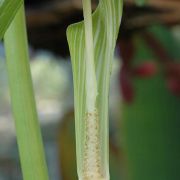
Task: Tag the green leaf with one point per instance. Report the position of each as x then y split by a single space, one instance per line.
106 21
23 104
8 9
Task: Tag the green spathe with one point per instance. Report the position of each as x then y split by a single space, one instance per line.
105 24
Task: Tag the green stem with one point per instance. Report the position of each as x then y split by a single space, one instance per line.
91 82
23 103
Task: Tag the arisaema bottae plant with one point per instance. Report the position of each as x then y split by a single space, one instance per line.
92 43
13 30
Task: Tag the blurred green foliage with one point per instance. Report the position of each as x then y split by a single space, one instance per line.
152 122
140 2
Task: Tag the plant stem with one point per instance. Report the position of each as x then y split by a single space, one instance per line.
91 82
23 103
